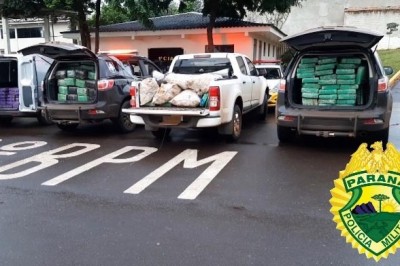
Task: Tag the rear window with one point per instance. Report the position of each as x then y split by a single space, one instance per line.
9 73
270 73
201 65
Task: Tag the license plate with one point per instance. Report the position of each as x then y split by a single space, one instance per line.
171 120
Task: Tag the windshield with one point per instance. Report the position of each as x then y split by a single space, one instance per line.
270 73
201 65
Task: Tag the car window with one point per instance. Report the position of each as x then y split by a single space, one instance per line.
242 65
270 73
252 68
42 66
150 67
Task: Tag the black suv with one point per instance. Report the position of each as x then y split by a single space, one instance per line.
335 86
81 86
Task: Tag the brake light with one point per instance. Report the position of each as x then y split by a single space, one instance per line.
382 85
215 98
282 85
132 92
105 84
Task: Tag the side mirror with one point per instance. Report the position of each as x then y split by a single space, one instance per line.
388 70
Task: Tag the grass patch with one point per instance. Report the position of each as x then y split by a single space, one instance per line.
390 58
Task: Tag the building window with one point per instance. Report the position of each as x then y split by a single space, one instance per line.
30 32
259 49
255 49
269 47
226 48
11 33
264 48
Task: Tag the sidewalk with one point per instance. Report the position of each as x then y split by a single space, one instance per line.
393 80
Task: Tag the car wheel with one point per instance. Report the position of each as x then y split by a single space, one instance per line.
285 134
235 124
161 133
67 127
123 122
381 135
5 119
43 120
264 108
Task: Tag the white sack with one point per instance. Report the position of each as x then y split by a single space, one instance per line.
179 79
200 83
148 88
186 98
165 93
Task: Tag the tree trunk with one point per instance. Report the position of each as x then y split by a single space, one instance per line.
97 24
83 26
210 27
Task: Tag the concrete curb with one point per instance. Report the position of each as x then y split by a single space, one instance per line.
393 80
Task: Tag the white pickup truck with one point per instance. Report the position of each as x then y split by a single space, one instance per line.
236 90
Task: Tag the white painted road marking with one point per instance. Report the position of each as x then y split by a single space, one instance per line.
189 157
109 158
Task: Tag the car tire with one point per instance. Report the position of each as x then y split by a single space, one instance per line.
285 134
236 124
161 133
264 108
6 119
43 120
67 127
123 122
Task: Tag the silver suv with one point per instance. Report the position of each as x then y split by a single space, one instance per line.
335 86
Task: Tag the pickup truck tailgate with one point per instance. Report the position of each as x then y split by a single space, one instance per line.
184 111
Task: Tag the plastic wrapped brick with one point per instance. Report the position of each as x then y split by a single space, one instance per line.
327 81
333 76
310 80
62 97
347 91
91 84
81 73
305 70
66 82
311 85
91 75
82 91
148 88
348 76
310 95
71 73
61 74
325 67
345 71
306 75
361 75
307 101
350 60
346 66
309 90
326 101
71 90
346 81
347 96
72 97
324 72
307 60
328 96
63 89
349 87
83 98
327 60
166 93
80 83
306 65
328 92
186 98
346 102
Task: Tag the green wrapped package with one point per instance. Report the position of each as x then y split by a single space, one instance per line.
326 101
347 96
328 96
346 81
91 75
350 60
71 73
310 95
327 82
306 75
306 101
310 80
327 77
82 91
61 97
311 85
306 65
80 83
307 60
361 75
330 87
325 67
324 72
305 70
328 92
89 67
327 60
66 82
348 87
82 98
346 102
347 91
63 89
346 66
349 76
309 90
345 71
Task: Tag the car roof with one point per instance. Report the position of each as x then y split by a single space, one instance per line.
268 65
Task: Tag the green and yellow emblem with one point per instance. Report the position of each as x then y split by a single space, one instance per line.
366 200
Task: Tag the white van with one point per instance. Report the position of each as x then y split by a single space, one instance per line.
20 86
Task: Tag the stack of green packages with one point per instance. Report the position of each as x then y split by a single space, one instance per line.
346 78
65 81
324 70
310 87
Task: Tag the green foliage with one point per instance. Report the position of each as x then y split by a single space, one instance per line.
390 58
22 8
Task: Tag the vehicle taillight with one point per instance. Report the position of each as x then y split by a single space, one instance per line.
282 85
105 84
214 100
132 92
382 85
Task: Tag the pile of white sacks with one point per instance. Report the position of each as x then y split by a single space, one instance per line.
181 90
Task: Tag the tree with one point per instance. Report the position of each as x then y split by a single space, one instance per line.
380 198
238 9
276 18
